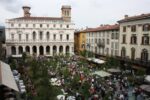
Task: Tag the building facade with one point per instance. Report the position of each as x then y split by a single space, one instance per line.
79 41
134 39
40 35
104 40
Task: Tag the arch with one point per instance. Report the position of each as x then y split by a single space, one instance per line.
20 50
123 52
144 55
132 53
61 49
13 50
67 49
47 49
27 49
34 35
34 49
54 50
41 50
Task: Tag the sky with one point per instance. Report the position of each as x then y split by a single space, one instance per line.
85 13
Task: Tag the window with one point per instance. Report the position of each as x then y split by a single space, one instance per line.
67 26
145 39
60 25
34 35
27 37
67 37
47 25
107 41
41 25
41 35
61 37
26 25
12 25
112 36
47 35
146 27
19 37
144 55
123 52
19 25
12 36
124 28
124 38
54 25
34 25
54 36
133 28
133 39
132 53
117 36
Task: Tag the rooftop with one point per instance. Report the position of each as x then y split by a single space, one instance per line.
134 18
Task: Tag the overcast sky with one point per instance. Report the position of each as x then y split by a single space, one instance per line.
89 13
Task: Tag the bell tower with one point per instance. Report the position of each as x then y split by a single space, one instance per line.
26 10
66 13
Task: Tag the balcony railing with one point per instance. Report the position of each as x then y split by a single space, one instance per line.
137 61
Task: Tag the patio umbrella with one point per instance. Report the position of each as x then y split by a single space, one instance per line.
61 97
113 70
101 73
147 78
145 88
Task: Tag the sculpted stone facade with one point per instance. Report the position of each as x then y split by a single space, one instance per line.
40 35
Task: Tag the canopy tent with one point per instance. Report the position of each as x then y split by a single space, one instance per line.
145 88
61 97
101 73
95 60
6 76
113 70
147 78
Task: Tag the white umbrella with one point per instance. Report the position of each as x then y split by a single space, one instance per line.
101 73
147 78
113 70
61 97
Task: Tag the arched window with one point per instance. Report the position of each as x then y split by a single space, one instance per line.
20 50
132 53
54 50
145 40
123 52
146 27
34 49
47 50
67 49
27 49
133 39
34 35
61 49
13 50
41 35
144 55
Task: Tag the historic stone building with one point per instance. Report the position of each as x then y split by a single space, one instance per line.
134 40
40 35
103 40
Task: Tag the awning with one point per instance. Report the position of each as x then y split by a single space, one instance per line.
145 88
147 78
101 73
113 70
6 76
95 60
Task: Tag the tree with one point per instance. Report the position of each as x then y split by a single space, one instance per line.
2 52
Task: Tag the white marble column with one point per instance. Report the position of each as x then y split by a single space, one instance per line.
17 50
64 50
31 51
51 50
23 48
44 48
57 50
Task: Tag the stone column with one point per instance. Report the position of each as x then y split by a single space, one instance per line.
64 49
23 48
17 50
44 47
57 50
31 51
51 50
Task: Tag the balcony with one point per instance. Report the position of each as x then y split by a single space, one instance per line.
136 61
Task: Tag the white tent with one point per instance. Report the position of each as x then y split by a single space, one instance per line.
113 70
147 78
145 87
95 60
61 97
6 76
101 73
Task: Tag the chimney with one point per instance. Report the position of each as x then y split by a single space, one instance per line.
26 10
126 16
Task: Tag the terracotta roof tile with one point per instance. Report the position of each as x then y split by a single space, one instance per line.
133 18
102 28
